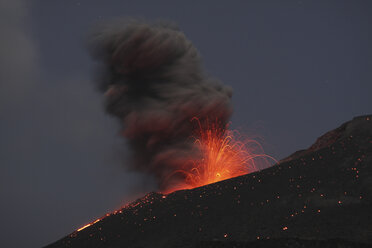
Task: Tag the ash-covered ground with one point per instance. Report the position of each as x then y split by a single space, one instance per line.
319 197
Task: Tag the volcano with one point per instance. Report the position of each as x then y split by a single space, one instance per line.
318 197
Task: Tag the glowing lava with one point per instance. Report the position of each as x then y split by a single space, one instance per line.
224 154
88 225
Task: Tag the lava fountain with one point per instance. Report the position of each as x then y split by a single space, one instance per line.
224 154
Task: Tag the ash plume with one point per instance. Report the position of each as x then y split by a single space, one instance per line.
154 83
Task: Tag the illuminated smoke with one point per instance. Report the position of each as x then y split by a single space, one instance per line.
154 83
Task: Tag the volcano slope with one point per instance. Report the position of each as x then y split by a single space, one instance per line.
319 197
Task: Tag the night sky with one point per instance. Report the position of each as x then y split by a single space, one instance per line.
297 68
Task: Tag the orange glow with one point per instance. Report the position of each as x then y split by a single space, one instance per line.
224 154
88 225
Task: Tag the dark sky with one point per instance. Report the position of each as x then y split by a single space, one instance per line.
297 68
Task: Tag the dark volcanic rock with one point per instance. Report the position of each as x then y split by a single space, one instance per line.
319 197
283 242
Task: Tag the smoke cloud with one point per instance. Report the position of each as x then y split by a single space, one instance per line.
154 83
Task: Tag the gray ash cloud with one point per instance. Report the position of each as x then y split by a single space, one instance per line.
154 83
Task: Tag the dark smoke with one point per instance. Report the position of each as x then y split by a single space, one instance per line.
154 83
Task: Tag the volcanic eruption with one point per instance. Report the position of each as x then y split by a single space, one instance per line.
173 114
176 118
